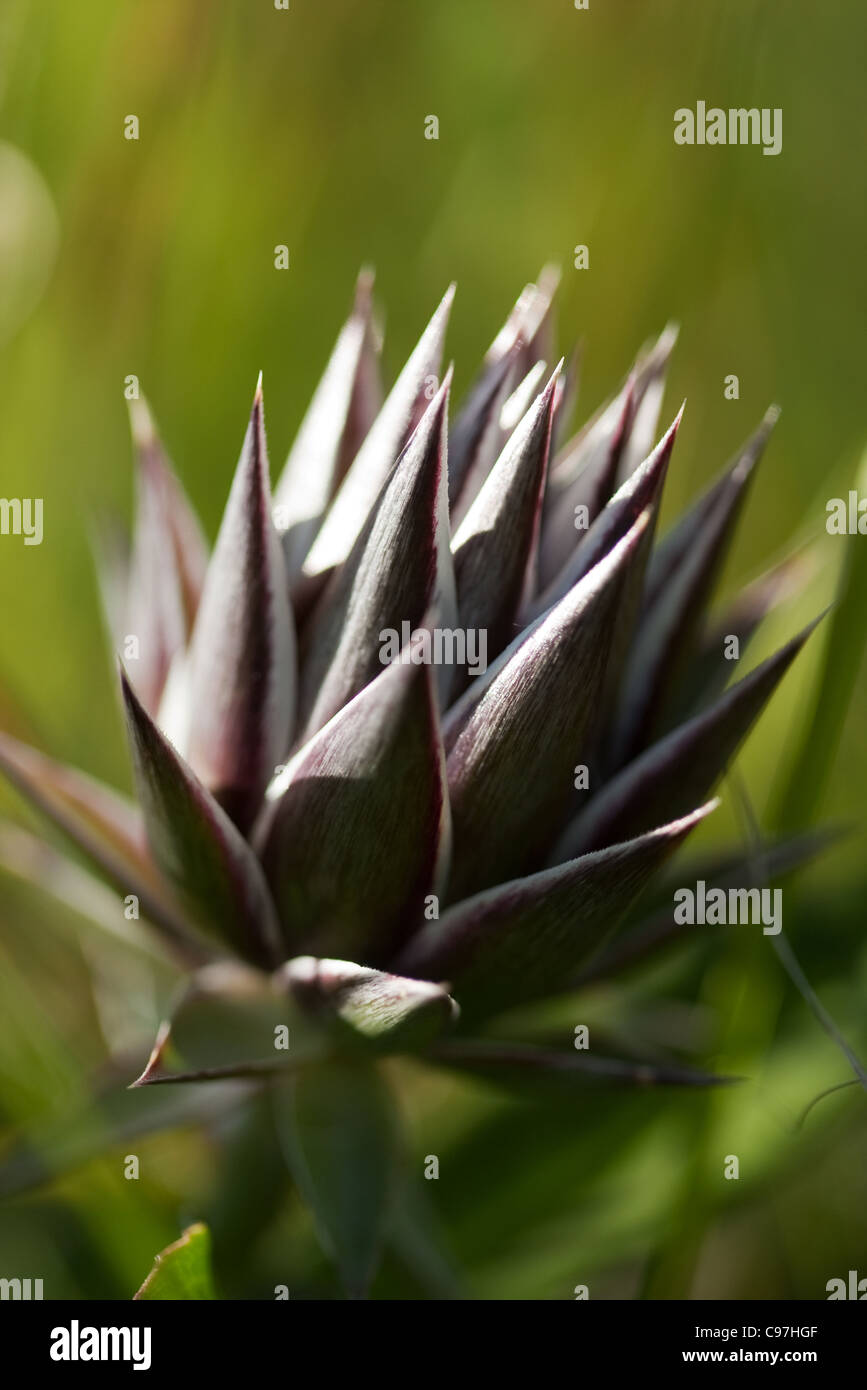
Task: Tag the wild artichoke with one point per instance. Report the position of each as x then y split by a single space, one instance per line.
360 848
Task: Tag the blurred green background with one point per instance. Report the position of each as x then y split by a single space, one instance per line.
156 257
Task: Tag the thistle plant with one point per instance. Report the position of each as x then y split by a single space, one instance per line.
348 855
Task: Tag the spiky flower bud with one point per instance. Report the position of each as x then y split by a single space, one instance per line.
355 729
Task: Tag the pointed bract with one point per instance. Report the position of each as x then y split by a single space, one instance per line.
355 834
524 939
648 376
682 768
494 549
399 566
567 394
196 845
241 677
389 1011
518 403
529 322
642 489
658 930
582 477
179 517
532 1070
512 744
707 673
679 585
155 620
227 1023
401 412
476 436
339 417
101 822
534 318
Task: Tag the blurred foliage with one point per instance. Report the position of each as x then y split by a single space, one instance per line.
156 257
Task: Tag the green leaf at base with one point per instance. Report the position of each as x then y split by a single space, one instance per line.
182 1270
339 1132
